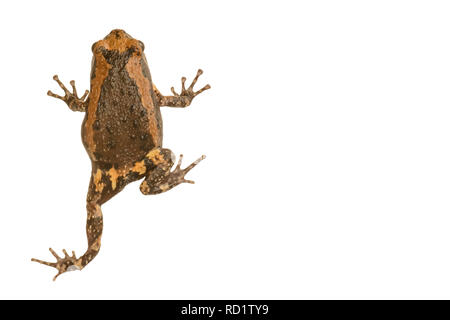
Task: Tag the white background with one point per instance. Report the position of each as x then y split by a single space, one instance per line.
327 137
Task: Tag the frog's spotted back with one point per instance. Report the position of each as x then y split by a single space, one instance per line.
122 133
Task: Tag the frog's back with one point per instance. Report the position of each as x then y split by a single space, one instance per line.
122 122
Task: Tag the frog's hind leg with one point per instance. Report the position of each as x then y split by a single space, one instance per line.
100 191
161 179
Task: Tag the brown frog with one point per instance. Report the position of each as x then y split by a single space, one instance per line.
122 133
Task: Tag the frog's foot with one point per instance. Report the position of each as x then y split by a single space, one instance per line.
189 93
68 263
178 174
73 101
159 184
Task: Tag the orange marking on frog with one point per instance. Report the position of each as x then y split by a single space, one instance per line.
97 181
156 157
101 72
117 40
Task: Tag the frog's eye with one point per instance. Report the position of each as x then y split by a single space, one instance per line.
142 45
93 46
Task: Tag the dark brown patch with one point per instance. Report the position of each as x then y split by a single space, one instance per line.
121 108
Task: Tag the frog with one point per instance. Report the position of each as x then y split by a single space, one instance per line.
122 132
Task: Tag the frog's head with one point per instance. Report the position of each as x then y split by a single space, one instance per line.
120 41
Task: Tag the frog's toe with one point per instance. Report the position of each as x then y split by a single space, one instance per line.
191 166
202 89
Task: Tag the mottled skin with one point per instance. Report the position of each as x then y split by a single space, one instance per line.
122 133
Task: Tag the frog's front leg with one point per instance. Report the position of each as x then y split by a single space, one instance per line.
161 179
183 99
73 101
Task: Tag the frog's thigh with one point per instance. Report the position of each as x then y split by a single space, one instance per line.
105 184
162 160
